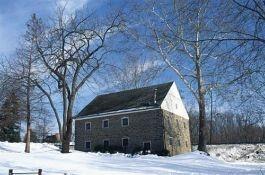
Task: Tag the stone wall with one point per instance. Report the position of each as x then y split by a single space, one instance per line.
177 134
143 126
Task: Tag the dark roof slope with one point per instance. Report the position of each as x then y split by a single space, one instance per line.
134 98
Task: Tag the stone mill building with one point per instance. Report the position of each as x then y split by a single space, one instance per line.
152 118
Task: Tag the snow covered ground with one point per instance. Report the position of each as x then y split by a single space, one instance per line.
238 152
48 158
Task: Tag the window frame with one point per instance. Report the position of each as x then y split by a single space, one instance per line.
179 142
177 123
122 121
171 141
89 145
103 123
122 141
89 127
148 142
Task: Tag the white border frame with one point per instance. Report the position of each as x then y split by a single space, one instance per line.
122 122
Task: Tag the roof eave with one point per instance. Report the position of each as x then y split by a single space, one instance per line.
119 112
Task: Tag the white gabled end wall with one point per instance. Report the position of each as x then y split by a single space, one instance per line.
173 102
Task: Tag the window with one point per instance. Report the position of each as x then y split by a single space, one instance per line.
106 143
186 143
88 145
105 123
179 143
88 126
125 121
184 125
170 140
177 123
125 142
147 146
176 106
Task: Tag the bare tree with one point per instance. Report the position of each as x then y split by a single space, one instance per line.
184 34
133 71
43 125
28 61
24 69
248 30
72 49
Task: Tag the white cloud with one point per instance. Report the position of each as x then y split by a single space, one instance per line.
72 5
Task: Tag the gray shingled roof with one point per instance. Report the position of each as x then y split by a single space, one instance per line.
134 98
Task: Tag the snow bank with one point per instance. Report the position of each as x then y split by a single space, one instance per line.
238 152
19 147
48 158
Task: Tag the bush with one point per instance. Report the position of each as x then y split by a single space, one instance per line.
110 149
136 150
163 152
99 148
115 149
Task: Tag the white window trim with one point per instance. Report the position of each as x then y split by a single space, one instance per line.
122 141
103 123
122 122
90 126
148 142
106 140
89 144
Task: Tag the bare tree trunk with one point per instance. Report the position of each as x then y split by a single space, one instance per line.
202 122
67 137
71 71
201 94
68 132
211 121
27 140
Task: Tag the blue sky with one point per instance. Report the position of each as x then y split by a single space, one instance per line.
15 13
13 16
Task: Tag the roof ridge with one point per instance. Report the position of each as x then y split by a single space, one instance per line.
135 88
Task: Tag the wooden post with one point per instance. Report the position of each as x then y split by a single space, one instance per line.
10 172
40 172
